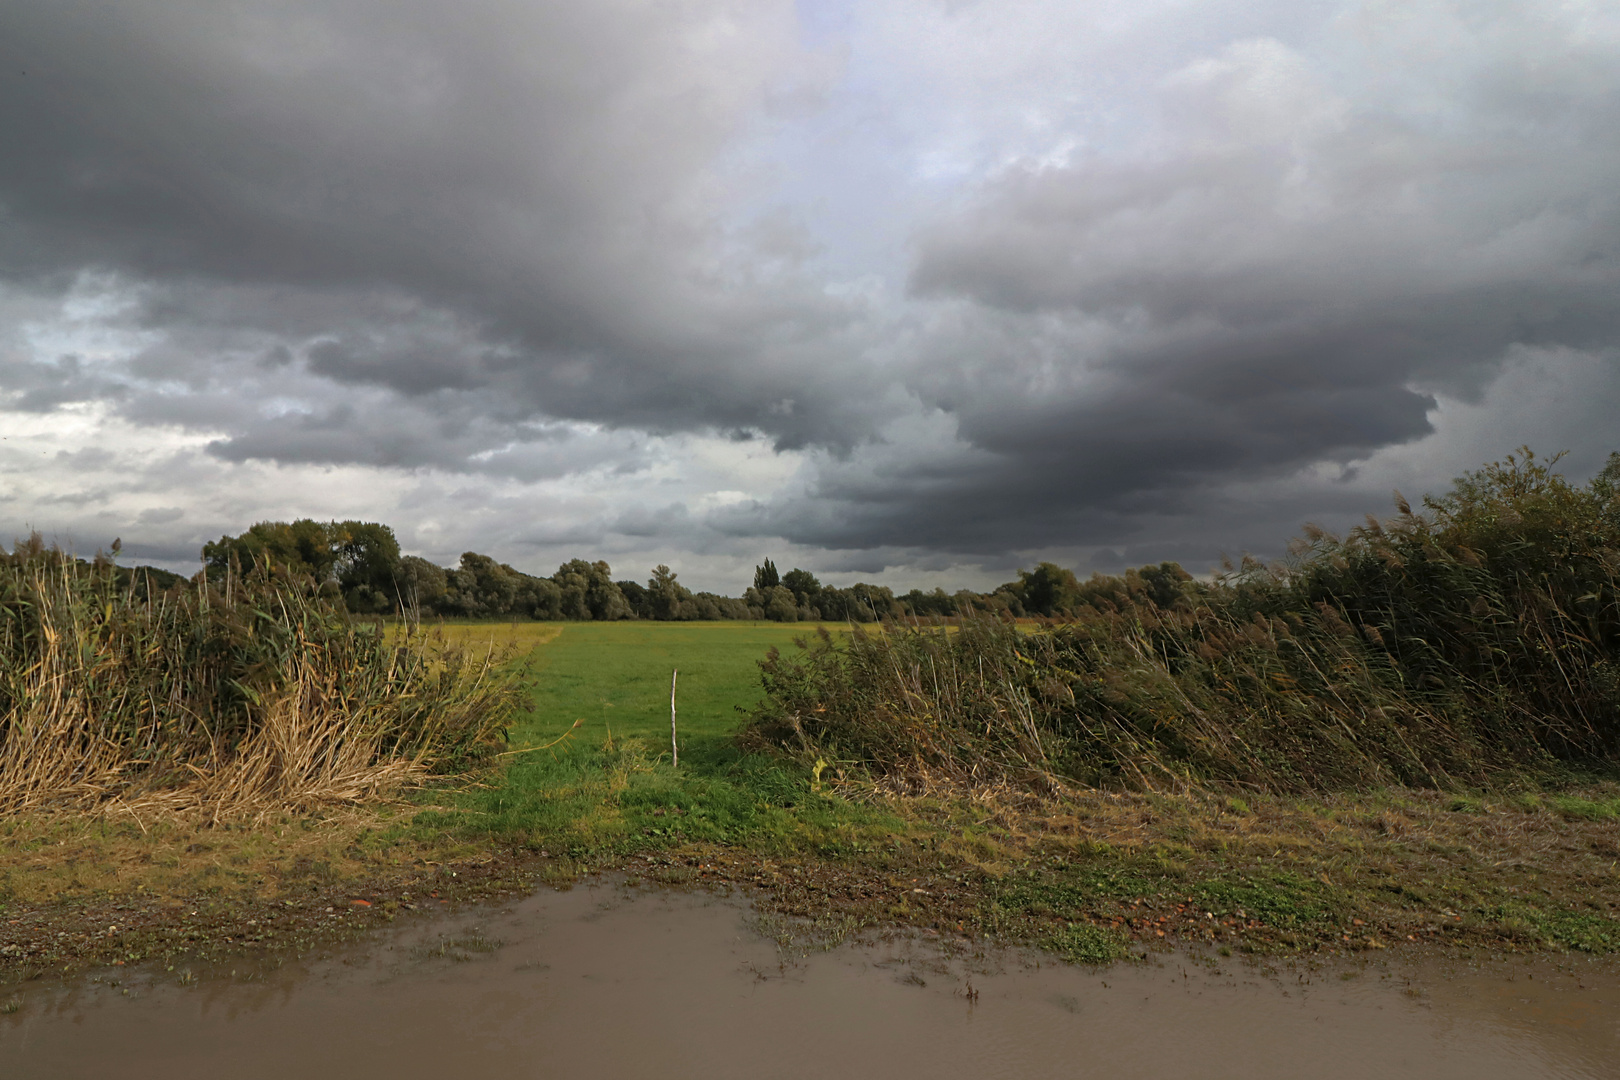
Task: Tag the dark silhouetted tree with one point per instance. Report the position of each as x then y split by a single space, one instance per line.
635 594
1049 589
765 577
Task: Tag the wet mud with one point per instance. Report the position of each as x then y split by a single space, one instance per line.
611 981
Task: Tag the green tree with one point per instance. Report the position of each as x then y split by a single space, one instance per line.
766 577
635 595
587 591
422 585
924 604
803 585
291 549
1049 589
780 605
366 565
666 596
359 558
859 603
480 588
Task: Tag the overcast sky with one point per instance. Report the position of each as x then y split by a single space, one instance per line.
916 291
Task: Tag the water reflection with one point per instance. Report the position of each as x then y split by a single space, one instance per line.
604 982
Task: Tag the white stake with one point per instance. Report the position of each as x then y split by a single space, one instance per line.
674 748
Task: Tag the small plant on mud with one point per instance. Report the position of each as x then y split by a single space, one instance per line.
1084 943
458 950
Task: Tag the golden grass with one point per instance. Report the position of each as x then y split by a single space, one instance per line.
236 701
511 639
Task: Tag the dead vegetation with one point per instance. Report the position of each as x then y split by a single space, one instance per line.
228 698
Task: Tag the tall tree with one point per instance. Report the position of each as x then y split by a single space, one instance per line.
667 597
802 584
766 577
588 591
1049 589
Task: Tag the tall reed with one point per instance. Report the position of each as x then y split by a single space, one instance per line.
1471 643
228 695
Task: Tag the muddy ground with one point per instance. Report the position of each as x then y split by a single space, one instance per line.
814 902
1093 877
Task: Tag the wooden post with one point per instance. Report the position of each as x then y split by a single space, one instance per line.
674 747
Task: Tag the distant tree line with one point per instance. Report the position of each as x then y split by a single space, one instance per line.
360 562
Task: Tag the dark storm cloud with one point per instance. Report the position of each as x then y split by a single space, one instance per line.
501 237
1282 278
530 185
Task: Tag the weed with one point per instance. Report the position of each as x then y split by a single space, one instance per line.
1574 807
457 949
1084 943
1286 900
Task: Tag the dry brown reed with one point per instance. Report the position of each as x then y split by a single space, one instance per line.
230 698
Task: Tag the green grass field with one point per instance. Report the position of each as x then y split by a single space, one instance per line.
615 677
607 786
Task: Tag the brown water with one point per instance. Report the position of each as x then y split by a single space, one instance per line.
606 982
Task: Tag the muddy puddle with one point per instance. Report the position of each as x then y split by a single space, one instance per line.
605 981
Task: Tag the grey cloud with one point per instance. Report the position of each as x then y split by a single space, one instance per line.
661 521
43 387
453 435
534 184
500 241
88 497
88 459
1286 278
